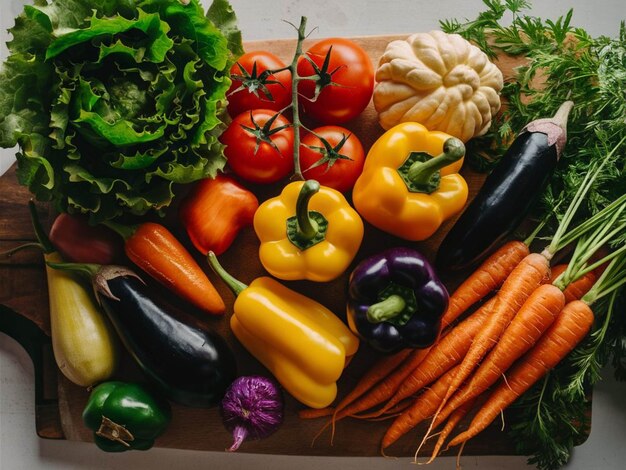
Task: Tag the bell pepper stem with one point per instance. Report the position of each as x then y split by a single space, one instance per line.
307 227
114 432
420 173
386 309
235 285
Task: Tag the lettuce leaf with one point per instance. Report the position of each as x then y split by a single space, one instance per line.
114 103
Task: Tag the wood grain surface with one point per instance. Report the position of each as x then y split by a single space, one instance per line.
23 289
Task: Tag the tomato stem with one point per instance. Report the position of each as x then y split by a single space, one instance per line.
322 74
295 79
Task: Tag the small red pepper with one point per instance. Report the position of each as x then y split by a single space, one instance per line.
215 211
79 242
153 248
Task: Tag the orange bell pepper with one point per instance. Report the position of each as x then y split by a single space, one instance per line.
215 211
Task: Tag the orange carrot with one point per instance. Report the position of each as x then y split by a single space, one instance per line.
385 389
386 411
312 413
423 407
447 353
154 249
520 284
570 327
445 348
385 366
400 407
455 418
378 373
389 413
489 276
532 320
529 274
575 290
556 271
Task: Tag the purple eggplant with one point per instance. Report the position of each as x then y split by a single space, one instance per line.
396 301
507 195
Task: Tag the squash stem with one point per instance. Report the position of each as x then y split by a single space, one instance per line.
42 238
85 269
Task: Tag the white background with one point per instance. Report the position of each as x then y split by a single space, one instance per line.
21 449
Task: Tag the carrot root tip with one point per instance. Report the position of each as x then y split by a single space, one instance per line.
458 457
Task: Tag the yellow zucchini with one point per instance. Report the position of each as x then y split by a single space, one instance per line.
84 346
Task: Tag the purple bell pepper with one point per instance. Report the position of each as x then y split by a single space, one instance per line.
396 301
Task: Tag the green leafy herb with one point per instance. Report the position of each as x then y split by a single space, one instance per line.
562 63
553 416
113 102
549 423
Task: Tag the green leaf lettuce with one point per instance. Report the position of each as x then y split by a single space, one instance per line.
114 102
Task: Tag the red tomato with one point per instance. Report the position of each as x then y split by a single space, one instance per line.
251 93
350 68
256 150
341 166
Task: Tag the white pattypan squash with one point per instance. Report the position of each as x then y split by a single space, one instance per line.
439 80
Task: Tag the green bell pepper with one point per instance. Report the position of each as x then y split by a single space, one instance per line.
124 416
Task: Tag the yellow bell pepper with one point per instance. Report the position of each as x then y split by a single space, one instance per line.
302 343
297 243
406 191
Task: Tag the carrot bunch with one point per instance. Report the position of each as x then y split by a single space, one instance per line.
512 323
520 334
512 340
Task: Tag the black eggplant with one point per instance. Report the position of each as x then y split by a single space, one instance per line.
507 194
189 363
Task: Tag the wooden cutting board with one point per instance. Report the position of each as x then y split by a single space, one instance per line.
59 403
